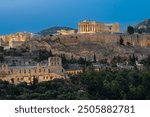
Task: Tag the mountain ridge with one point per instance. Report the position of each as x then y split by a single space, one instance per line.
53 30
143 27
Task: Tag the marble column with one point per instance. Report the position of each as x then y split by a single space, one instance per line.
87 28
92 28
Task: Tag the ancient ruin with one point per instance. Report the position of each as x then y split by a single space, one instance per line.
94 27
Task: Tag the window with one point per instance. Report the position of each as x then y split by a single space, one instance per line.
24 71
39 70
12 80
51 77
49 71
29 71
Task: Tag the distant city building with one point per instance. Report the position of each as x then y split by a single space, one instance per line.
19 61
14 40
18 74
66 32
1 42
94 27
15 44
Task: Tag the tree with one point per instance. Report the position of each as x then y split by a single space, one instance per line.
1 57
44 54
130 30
140 31
1 49
63 57
81 61
72 59
121 41
94 58
132 59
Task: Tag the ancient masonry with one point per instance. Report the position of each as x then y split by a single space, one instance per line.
18 74
14 40
94 27
66 32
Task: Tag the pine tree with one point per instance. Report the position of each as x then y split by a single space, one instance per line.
94 58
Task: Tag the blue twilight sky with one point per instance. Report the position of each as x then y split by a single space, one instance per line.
34 15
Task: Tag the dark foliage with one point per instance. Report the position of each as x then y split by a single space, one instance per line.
91 85
130 30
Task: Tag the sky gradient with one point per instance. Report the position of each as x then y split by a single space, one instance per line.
35 15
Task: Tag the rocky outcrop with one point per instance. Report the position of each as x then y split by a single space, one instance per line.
86 45
143 27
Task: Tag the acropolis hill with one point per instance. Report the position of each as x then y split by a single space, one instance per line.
86 45
91 38
28 59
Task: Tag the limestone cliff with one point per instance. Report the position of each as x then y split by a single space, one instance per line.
86 45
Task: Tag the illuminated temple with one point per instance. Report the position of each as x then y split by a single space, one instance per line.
94 27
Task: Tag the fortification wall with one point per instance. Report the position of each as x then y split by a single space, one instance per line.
135 40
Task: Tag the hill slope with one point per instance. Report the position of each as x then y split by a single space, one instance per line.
143 27
86 45
53 30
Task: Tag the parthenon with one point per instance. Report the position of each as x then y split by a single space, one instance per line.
94 27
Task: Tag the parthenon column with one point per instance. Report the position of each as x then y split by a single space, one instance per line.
80 28
92 28
87 27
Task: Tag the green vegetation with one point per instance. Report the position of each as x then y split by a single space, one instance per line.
121 41
44 55
112 85
130 30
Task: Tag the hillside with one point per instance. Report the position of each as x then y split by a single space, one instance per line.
143 27
53 30
103 45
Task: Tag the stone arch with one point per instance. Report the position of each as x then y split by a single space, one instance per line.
12 80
